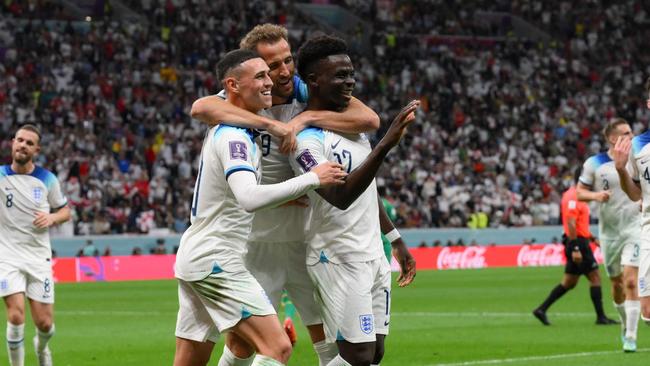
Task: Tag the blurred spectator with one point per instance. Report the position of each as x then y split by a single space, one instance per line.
89 250
160 247
136 251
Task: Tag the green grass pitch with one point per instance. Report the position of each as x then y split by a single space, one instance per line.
462 317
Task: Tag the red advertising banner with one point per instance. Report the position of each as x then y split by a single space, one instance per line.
116 268
492 256
158 267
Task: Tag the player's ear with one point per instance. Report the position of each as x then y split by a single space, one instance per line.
231 85
312 80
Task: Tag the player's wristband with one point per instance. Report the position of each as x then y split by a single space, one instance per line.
393 235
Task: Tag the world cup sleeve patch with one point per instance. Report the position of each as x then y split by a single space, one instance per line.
238 150
306 160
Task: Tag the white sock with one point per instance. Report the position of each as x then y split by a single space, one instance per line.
261 360
338 361
43 338
620 308
326 352
229 359
632 311
16 344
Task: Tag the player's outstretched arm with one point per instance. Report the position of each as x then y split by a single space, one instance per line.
356 118
213 110
253 197
621 156
585 194
400 250
44 220
343 196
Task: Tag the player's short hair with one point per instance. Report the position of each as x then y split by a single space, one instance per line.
317 49
263 33
232 60
32 128
612 124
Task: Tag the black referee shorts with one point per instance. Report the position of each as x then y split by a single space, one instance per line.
588 263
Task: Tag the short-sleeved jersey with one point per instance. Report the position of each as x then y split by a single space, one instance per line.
21 196
572 208
619 215
639 162
339 236
219 226
285 223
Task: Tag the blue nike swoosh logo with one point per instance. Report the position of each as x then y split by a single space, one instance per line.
336 144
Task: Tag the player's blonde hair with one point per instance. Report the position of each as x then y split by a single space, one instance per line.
32 128
264 33
611 126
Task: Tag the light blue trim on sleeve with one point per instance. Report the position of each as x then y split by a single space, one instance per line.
238 168
300 90
639 142
311 132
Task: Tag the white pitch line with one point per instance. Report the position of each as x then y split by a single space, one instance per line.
483 314
534 358
398 314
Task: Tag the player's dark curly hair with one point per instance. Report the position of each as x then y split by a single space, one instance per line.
317 49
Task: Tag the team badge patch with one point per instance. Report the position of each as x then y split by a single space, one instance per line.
37 193
238 150
366 323
4 284
306 160
642 284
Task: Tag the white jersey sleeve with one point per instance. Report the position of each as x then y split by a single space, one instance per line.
588 173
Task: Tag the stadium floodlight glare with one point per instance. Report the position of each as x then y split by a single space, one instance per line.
89 18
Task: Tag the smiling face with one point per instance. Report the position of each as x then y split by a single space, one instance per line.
251 85
281 65
24 146
335 81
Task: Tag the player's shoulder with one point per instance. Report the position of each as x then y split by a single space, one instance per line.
230 131
316 133
300 91
599 159
640 141
5 170
47 177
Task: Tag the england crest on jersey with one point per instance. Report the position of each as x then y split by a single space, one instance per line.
366 323
37 193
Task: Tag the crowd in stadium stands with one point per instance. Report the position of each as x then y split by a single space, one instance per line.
502 124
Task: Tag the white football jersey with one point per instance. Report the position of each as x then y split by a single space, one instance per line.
619 215
21 195
216 238
639 162
335 235
281 224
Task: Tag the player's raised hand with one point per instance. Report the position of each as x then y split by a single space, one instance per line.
286 134
621 151
397 128
330 173
43 220
406 263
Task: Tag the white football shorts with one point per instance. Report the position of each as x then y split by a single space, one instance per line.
278 266
354 299
217 303
35 281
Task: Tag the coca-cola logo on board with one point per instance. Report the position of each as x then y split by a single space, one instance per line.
547 255
470 257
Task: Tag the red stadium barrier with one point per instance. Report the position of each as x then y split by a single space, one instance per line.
491 256
159 267
117 268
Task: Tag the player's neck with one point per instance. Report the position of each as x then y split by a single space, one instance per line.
610 152
27 168
315 104
276 99
239 102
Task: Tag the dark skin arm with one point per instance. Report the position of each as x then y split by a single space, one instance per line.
356 118
572 235
400 251
356 183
